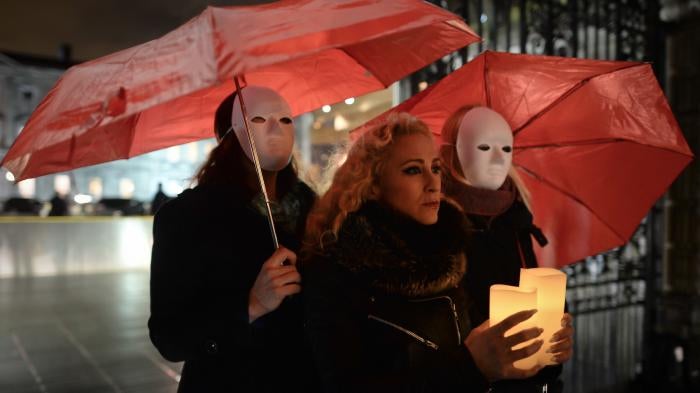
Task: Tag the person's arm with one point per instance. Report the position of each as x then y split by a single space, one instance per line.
343 354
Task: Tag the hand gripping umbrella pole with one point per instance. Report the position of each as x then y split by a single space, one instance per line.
256 163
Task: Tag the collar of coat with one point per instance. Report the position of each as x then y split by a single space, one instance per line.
400 256
288 210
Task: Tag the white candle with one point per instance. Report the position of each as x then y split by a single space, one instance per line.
506 300
551 293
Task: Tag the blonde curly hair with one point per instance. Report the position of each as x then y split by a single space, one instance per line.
355 181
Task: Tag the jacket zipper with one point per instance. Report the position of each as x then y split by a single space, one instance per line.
424 341
453 307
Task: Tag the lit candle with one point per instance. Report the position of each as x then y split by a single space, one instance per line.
506 300
551 293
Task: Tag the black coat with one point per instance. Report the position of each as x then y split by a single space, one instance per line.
209 244
385 311
498 247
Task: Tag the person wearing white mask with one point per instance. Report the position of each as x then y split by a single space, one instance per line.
221 295
477 155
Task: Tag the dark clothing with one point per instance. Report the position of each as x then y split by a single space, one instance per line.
209 245
385 311
499 245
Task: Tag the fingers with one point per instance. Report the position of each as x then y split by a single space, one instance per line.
292 277
513 320
280 256
563 356
523 336
275 272
289 256
567 320
522 353
287 290
562 346
566 333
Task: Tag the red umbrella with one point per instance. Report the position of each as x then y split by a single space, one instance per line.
595 141
164 92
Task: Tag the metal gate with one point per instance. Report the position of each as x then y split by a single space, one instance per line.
610 295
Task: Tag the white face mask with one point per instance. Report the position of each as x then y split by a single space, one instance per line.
485 148
270 122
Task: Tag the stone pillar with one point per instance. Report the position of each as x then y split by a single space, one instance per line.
677 352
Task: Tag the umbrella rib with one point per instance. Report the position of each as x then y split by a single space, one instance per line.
568 93
361 65
599 141
397 33
486 81
133 135
573 197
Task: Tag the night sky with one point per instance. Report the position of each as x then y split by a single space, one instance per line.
92 27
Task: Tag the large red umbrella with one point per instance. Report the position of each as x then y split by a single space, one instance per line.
164 92
595 141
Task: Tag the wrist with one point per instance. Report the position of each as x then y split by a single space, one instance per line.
255 309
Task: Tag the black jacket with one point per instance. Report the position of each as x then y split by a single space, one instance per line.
385 311
209 244
498 247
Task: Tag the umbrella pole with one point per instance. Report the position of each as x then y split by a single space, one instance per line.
256 163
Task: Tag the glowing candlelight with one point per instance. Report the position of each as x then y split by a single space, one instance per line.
505 301
551 293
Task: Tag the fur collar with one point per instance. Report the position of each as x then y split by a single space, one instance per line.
399 256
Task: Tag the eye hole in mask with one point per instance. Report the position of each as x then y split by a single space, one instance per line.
261 120
484 147
507 149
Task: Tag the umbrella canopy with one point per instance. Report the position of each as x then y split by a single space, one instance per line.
164 92
595 142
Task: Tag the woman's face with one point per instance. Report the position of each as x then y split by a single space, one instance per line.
485 148
410 180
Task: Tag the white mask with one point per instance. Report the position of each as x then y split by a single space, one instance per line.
270 122
485 148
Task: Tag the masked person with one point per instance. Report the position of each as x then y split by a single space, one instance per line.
385 310
220 293
477 154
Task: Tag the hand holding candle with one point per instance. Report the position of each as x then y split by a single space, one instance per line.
563 341
545 290
493 351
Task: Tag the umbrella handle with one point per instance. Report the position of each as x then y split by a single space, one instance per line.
256 163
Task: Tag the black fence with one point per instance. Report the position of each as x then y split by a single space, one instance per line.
612 296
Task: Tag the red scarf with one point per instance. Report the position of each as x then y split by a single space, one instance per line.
483 202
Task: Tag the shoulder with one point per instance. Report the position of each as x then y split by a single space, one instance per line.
200 203
188 202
